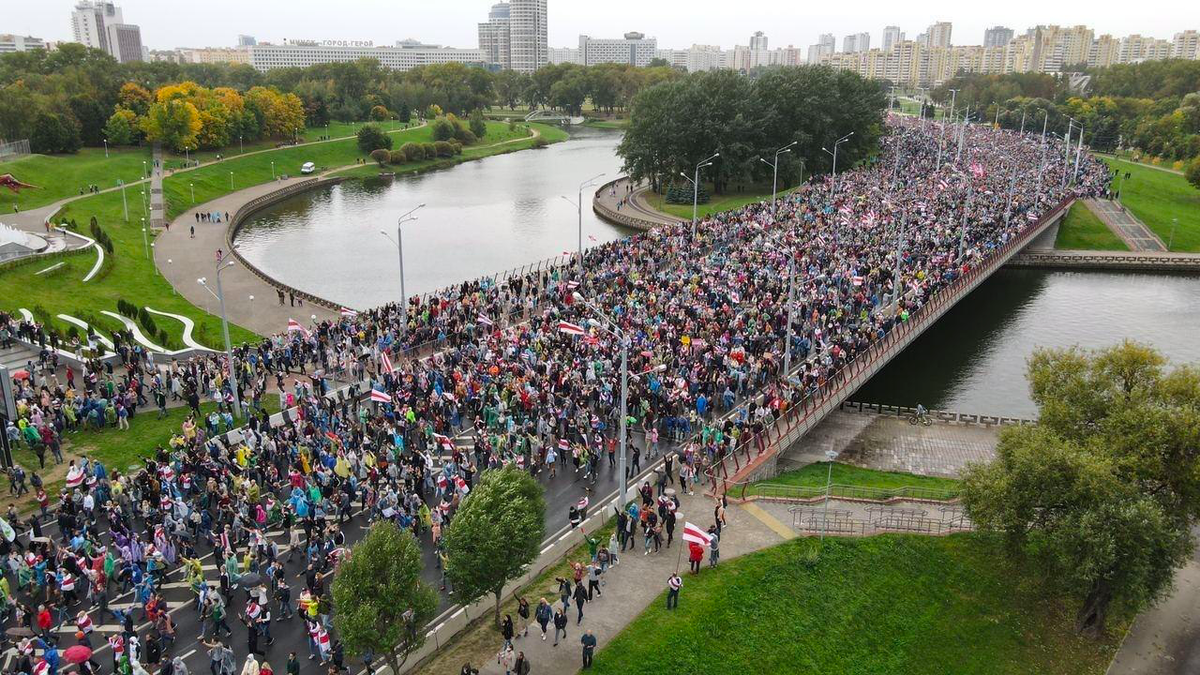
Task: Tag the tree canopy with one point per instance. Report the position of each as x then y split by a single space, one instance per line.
495 534
678 123
380 603
1103 491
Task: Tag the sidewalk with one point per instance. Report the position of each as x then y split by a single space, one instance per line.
635 206
1131 230
632 585
182 260
1163 639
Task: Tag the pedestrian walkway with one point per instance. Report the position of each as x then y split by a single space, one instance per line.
1131 230
183 258
634 205
157 206
632 585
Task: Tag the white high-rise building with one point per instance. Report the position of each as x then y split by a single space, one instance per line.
246 41
1186 45
407 54
88 22
758 41
564 55
826 45
528 37
892 35
494 37
857 42
20 43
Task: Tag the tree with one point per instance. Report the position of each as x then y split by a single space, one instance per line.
1103 491
371 137
54 133
412 152
381 156
380 603
379 113
496 533
478 126
175 123
121 128
1193 172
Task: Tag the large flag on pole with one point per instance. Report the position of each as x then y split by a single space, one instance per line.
694 533
349 313
380 396
570 328
483 319
294 326
386 362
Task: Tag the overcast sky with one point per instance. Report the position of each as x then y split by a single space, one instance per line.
676 23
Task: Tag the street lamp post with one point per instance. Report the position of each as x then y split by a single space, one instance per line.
145 239
105 148
942 139
579 208
231 180
696 187
124 204
187 156
830 455
1171 241
775 173
241 148
220 295
272 170
193 187
834 153
400 252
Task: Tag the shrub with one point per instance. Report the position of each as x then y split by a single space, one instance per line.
371 138
512 125
412 152
456 146
1193 172
379 113
381 156
443 149
540 142
466 137
443 130
396 157
478 126
429 149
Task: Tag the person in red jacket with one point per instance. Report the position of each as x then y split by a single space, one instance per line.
695 555
44 621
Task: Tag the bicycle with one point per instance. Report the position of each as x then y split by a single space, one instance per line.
921 418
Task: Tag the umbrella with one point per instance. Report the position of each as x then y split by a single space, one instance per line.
250 580
19 631
77 654
20 375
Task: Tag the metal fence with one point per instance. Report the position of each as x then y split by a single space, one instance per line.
880 519
13 149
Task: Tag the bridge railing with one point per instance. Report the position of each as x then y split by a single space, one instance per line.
829 392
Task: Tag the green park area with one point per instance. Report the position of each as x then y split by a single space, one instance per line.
1163 200
56 177
817 474
734 199
1083 230
883 604
129 273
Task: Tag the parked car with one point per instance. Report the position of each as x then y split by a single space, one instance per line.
308 168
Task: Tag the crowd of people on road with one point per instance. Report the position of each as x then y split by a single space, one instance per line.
524 370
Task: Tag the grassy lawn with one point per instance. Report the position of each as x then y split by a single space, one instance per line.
61 176
1082 230
884 604
617 123
815 476
1157 198
716 203
480 640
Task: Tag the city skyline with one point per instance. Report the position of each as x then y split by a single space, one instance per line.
785 23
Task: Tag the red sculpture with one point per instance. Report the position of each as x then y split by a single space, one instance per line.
9 181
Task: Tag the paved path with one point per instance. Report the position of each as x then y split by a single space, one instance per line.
632 585
157 205
1131 230
183 258
635 206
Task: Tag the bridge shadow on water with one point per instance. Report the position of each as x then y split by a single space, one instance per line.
932 367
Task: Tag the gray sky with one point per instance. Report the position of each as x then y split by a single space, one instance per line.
676 23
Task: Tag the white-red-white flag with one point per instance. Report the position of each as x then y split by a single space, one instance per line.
482 318
570 328
386 362
294 326
349 313
444 441
694 533
380 396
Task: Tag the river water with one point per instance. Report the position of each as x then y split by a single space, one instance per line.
480 217
503 212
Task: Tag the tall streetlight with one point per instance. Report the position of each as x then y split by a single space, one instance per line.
791 316
187 156
696 187
145 239
193 187
400 249
231 181
775 173
272 170
612 329
241 148
105 148
942 140
834 154
124 204
579 207
220 296
829 455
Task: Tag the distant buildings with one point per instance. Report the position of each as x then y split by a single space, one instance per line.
892 35
406 55
246 41
100 25
20 43
997 36
634 49
826 45
858 42
515 36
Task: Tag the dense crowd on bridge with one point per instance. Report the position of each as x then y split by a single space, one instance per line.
527 368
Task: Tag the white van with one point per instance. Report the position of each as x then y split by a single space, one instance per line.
308 167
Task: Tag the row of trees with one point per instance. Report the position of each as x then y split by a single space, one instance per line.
381 605
1153 107
680 122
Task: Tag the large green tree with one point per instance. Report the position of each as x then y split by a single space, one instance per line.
1103 491
380 603
495 534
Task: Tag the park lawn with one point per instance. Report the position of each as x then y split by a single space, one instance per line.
128 274
478 642
1157 198
716 203
60 176
883 604
816 474
1083 230
616 123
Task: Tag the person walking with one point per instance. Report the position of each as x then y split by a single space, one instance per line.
589 648
581 596
560 625
521 667
543 614
695 555
674 583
